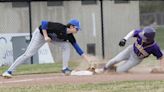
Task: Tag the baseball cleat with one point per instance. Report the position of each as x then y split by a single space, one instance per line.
109 69
67 71
105 69
7 74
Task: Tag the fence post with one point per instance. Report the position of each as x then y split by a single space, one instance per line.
30 24
102 28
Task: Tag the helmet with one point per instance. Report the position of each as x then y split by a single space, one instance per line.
148 34
75 22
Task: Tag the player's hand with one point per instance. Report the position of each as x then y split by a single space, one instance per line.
157 70
122 42
90 61
86 57
92 66
47 39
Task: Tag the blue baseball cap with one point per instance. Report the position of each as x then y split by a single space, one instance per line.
75 23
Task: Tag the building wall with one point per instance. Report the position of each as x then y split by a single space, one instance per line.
89 16
13 20
119 19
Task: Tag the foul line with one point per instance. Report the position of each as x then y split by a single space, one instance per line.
25 80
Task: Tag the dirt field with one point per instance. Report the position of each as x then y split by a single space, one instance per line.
141 72
43 79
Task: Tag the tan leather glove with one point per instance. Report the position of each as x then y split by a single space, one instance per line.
92 66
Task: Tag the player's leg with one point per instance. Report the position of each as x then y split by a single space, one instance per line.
130 63
65 47
36 42
124 55
65 56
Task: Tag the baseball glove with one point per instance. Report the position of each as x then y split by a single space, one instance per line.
92 67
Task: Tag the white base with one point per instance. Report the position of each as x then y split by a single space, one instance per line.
100 70
81 73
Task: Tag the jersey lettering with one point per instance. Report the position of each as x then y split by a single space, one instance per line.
141 53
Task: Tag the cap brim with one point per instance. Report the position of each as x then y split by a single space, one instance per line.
78 29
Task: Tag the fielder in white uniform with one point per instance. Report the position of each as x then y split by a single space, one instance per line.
51 32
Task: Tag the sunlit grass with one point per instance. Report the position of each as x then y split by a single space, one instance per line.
121 86
39 68
160 37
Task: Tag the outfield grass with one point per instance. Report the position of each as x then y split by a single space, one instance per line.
121 86
39 68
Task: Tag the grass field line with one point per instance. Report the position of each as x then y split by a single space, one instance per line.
26 80
81 79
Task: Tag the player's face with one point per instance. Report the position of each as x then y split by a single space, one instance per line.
144 39
72 29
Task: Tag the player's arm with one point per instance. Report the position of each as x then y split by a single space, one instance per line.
44 29
159 55
80 52
162 62
72 40
160 69
128 36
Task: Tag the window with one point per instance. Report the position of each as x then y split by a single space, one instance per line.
12 0
19 4
121 1
4 0
88 2
55 3
91 48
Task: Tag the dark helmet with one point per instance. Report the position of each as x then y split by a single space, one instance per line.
148 34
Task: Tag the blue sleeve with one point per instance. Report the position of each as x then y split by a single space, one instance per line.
78 49
44 25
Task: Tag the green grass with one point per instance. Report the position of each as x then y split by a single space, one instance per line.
56 67
160 37
121 86
39 68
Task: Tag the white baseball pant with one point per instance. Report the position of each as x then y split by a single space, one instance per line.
36 42
127 55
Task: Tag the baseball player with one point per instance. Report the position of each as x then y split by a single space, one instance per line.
51 32
134 54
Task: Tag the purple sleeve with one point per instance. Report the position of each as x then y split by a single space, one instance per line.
136 33
157 52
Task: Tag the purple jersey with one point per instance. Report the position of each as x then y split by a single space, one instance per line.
144 50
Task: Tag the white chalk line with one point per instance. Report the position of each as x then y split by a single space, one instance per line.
24 80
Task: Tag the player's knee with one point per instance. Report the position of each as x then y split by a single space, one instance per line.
27 55
65 48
